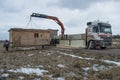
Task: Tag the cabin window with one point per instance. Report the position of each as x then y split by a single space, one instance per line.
36 35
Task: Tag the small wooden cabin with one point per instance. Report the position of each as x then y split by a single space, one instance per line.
53 33
29 37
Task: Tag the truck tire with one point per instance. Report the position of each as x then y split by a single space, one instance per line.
43 46
103 47
91 45
87 46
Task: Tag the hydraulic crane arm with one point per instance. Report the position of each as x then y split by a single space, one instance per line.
50 17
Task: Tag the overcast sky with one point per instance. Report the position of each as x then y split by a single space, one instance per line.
73 14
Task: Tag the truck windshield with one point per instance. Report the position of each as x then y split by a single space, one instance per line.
105 28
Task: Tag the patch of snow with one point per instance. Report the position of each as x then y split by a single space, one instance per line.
40 51
37 71
49 54
86 69
106 61
1 70
85 78
61 65
49 66
59 56
21 77
40 66
30 54
59 78
97 67
116 42
85 72
28 65
37 79
74 56
5 75
50 76
112 62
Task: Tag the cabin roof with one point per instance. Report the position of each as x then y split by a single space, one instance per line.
27 30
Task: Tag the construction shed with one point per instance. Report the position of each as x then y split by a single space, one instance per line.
53 33
29 37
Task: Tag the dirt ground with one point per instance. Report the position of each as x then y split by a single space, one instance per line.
61 63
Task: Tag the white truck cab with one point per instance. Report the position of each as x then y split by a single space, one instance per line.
98 35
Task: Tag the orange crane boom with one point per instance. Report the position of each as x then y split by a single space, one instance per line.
50 17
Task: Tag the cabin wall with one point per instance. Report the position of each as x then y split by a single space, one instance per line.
29 38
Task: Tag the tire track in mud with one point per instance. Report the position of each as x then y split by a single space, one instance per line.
86 58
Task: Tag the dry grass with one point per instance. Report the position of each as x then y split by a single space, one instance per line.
116 45
50 58
111 74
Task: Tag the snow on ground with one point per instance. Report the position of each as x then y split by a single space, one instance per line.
106 61
37 79
97 67
112 62
74 56
86 69
21 77
59 78
85 72
37 71
61 65
1 70
40 66
26 48
5 75
30 54
116 42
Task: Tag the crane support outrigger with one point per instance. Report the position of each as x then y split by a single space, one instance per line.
52 18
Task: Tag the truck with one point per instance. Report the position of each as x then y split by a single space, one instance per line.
98 35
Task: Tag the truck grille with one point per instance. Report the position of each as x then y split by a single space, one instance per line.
107 39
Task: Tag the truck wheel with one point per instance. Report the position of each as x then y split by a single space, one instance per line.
103 47
91 45
43 46
87 46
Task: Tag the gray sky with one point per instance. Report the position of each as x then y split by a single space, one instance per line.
73 13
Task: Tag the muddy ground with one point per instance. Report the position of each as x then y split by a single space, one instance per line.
60 63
